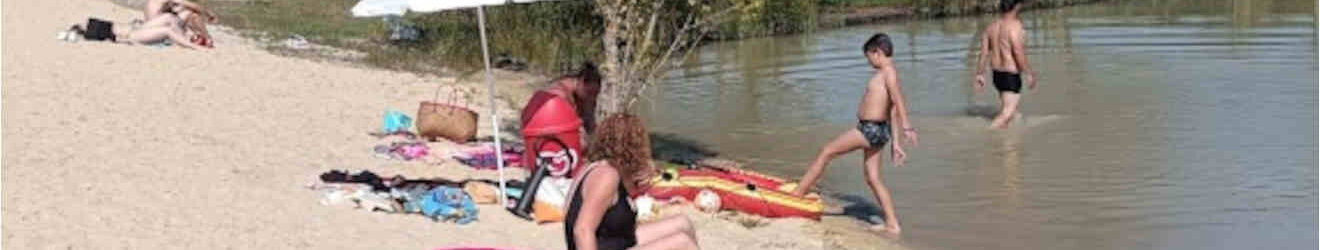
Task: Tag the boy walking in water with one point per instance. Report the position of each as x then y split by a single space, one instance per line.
883 99
1004 42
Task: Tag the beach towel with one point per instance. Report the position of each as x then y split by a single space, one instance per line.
482 155
412 151
407 150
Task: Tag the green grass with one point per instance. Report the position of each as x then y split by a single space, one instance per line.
321 20
551 36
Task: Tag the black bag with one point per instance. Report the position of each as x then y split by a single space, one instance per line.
99 30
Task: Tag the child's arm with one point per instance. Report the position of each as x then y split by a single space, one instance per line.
898 155
900 109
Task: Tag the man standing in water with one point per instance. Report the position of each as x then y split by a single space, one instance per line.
1004 42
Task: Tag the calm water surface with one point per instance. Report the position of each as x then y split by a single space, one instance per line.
1158 124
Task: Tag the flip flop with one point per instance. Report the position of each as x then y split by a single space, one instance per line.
201 40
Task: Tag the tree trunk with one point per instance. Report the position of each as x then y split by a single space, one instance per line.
632 54
614 84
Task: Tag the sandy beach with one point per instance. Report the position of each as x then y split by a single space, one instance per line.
112 146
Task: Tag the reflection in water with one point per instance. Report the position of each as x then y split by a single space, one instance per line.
1158 124
1007 155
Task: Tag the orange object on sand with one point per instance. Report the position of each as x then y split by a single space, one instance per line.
544 212
481 192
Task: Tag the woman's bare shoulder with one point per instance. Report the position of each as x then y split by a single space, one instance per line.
602 171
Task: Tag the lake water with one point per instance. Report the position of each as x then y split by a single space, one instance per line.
1157 124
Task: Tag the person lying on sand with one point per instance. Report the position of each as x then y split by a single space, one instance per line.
600 215
882 104
155 31
191 13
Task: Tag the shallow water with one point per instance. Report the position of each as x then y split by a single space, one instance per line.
1158 124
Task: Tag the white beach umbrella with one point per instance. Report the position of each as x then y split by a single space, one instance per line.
380 8
385 8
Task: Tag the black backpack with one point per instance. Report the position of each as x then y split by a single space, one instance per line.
99 30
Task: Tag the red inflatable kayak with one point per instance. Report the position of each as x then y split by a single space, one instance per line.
739 190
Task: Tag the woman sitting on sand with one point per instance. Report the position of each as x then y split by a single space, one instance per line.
600 215
157 30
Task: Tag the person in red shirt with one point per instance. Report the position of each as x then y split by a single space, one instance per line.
578 89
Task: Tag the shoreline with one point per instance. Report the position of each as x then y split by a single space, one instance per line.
837 17
365 51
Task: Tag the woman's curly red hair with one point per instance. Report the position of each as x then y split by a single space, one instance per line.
622 140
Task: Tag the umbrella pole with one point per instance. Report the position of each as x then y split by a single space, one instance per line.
494 116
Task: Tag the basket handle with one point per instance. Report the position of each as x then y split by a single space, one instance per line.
451 99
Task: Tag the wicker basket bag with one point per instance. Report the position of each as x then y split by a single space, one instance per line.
446 120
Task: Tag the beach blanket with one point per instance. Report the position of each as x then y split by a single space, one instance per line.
482 155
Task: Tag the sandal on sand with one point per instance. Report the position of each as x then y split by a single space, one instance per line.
202 40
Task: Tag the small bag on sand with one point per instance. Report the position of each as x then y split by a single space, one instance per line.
482 193
396 121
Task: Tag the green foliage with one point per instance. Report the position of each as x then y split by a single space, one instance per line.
769 17
552 36
549 35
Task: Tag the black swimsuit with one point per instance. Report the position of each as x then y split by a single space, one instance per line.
875 132
617 229
1008 81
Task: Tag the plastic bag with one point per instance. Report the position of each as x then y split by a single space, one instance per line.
396 121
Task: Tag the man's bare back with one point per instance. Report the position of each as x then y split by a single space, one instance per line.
1001 36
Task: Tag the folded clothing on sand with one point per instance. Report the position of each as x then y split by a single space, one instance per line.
441 203
364 177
